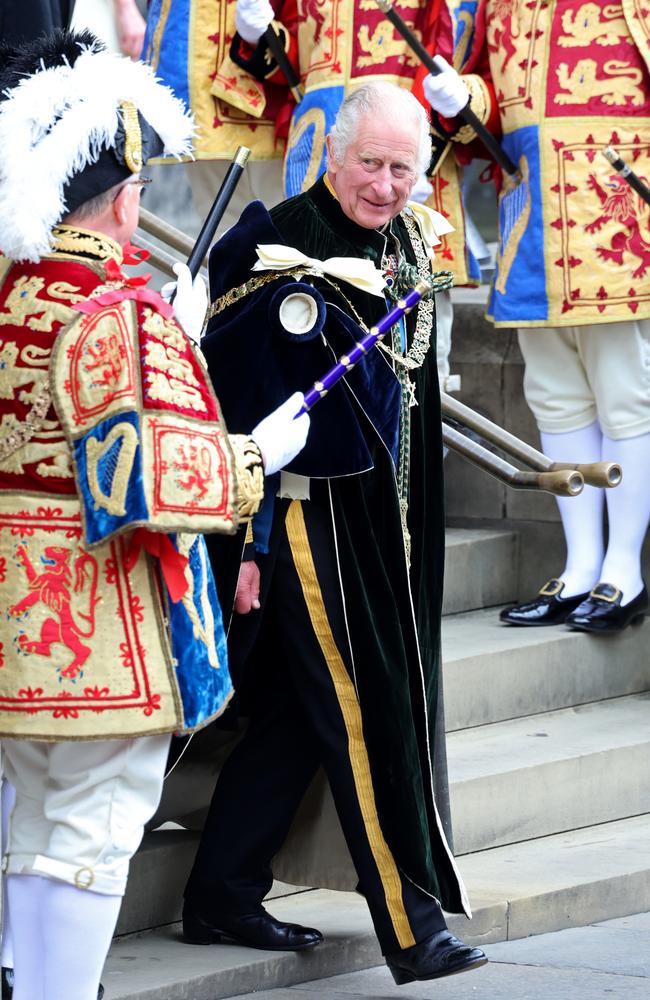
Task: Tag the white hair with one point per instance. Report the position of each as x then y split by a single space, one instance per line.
383 100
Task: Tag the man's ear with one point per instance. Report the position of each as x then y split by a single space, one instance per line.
120 206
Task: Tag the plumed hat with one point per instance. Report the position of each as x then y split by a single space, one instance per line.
75 120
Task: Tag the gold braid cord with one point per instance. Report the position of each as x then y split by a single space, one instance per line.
249 471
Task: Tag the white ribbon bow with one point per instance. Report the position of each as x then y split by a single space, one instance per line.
432 225
355 270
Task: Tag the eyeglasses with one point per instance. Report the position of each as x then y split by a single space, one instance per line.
140 182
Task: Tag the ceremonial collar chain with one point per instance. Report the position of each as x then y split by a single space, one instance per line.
405 277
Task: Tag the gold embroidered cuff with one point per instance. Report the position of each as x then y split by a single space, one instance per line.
249 471
479 103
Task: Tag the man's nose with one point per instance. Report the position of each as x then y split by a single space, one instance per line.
383 181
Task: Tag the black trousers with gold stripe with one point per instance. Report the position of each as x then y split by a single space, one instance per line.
304 713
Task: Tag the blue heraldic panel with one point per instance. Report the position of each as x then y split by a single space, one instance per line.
520 285
108 439
171 60
199 641
306 156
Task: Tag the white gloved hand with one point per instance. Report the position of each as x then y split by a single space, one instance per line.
252 18
279 437
446 92
191 302
421 190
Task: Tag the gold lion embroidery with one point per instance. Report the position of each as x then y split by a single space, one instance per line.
63 576
14 377
46 449
23 301
171 390
583 84
381 45
621 205
163 329
584 26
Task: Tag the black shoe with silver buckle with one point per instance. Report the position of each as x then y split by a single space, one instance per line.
548 608
440 955
602 611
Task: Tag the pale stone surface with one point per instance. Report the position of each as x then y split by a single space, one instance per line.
603 960
494 672
531 777
480 568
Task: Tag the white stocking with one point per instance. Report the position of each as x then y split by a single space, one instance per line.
8 799
628 513
24 895
582 516
79 925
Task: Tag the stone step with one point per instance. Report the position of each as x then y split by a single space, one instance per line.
480 568
543 885
533 777
157 878
494 672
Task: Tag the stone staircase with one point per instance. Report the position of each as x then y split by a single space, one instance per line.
548 744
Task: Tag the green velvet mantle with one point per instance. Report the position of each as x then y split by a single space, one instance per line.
397 675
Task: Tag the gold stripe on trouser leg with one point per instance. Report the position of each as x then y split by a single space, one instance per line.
349 704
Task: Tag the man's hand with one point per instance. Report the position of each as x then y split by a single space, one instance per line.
280 437
191 300
247 595
446 92
130 27
252 18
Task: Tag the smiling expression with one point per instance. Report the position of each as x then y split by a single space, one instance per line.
378 172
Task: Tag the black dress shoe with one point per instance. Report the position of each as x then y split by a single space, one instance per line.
548 608
8 985
255 930
440 955
602 611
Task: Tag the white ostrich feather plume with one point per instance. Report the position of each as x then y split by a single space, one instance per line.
56 122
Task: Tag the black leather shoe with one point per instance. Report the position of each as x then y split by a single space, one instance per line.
548 608
602 611
255 930
8 985
440 955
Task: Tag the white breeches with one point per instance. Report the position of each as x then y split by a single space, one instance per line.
81 807
578 374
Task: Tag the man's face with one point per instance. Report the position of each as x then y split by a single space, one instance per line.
378 171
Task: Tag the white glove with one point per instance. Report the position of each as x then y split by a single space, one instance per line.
421 190
279 437
446 92
252 18
191 300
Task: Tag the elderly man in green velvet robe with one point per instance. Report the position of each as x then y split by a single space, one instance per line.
336 631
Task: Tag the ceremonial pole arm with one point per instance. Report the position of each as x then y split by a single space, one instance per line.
348 361
561 483
219 206
274 43
626 171
466 114
607 474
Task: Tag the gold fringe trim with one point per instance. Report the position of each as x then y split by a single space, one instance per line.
249 472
